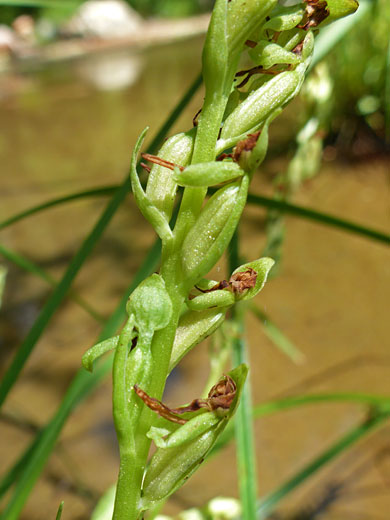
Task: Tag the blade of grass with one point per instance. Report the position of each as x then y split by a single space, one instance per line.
59 512
245 446
387 96
31 267
277 336
257 200
268 503
98 192
82 385
80 257
317 216
3 276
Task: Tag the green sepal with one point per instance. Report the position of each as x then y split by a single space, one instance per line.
207 174
208 238
262 266
151 305
218 298
194 327
268 54
161 187
170 467
284 18
339 9
98 350
147 208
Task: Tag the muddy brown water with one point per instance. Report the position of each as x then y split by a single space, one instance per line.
59 134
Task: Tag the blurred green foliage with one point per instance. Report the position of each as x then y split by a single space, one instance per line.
171 7
359 70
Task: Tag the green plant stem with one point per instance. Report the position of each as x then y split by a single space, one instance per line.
246 456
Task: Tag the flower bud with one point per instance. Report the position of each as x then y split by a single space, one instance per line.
151 305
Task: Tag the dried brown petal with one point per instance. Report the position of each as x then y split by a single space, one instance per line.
221 395
243 280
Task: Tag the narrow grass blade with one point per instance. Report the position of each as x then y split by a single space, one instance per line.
13 473
29 266
104 191
268 504
59 512
280 340
317 216
387 96
82 385
3 276
246 456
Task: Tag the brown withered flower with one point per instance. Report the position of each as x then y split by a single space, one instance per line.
220 396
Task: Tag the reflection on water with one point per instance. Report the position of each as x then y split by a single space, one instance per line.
60 134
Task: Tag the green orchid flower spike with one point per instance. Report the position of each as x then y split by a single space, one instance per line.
173 310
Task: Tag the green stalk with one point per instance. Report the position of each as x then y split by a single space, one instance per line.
246 455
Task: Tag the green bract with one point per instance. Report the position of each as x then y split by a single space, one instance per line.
262 267
262 102
211 233
150 211
161 188
194 327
